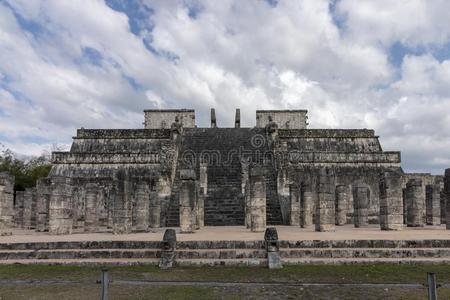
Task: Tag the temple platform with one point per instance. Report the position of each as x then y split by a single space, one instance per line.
232 246
240 233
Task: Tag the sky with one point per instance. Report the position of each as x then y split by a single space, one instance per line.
381 64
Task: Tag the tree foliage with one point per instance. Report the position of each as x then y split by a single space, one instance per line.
25 171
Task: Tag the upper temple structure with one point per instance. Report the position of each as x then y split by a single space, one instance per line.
172 173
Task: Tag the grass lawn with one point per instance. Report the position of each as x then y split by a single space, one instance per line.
85 287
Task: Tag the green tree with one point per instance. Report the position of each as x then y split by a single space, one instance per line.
26 172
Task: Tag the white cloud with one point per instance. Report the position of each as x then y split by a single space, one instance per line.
244 54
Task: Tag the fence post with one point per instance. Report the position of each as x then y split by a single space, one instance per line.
431 279
105 283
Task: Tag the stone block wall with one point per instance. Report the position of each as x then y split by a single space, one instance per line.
163 118
285 119
361 196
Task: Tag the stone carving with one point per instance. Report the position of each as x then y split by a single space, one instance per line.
447 197
341 205
306 211
188 199
272 248
60 206
6 203
433 204
257 199
415 203
325 206
168 247
391 203
361 196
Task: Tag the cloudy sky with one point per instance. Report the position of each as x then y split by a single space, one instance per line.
378 64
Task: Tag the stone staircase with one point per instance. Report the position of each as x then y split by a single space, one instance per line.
224 204
218 253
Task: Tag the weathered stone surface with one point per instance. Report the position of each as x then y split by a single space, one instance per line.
29 208
294 191
122 214
433 204
168 247
307 204
187 200
272 248
141 209
415 200
60 206
43 194
257 199
92 214
6 203
391 201
447 197
325 206
361 196
341 205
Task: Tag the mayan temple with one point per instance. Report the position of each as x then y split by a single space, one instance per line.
172 173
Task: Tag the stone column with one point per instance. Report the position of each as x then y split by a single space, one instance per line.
447 197
294 192
341 205
391 203
18 209
160 202
43 193
414 202
142 213
257 199
6 203
27 203
306 206
325 207
187 201
92 211
122 216
443 207
433 204
200 208
361 196
60 206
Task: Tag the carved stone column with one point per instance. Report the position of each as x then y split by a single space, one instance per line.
257 199
433 204
361 196
325 207
122 217
187 201
294 192
391 203
341 205
306 206
29 208
6 203
447 197
60 206
142 207
18 209
92 216
43 190
414 202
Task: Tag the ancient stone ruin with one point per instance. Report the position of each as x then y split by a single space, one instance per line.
172 173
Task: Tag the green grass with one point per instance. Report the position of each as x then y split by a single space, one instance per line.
378 273
86 288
